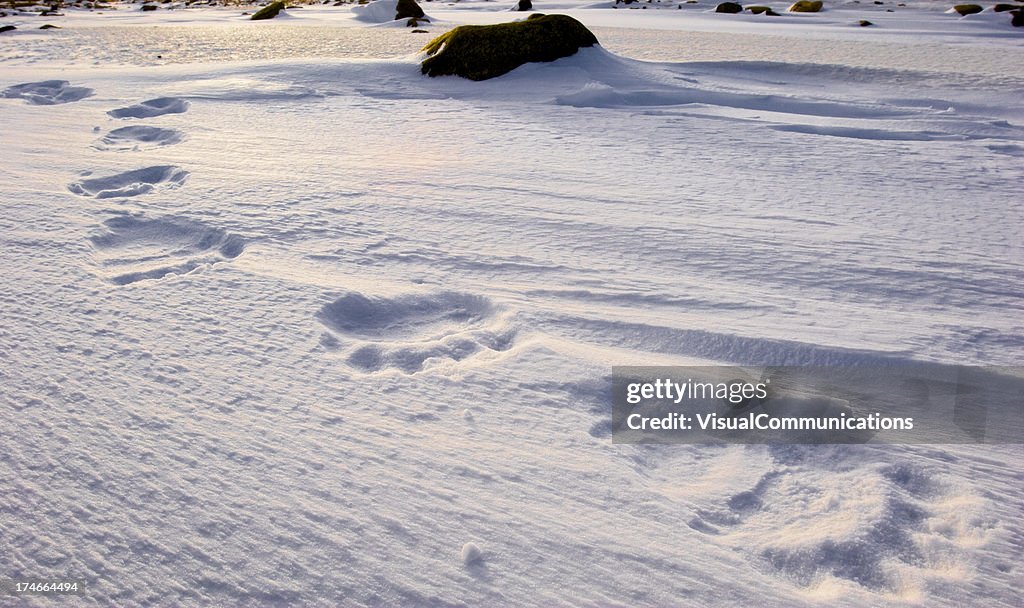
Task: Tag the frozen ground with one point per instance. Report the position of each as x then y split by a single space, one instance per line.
286 323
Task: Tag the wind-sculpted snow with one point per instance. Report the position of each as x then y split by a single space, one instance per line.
374 328
48 92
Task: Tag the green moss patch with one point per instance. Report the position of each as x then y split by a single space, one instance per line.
479 52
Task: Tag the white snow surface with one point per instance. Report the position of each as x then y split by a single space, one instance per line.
285 322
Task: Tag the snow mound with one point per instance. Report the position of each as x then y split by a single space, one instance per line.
471 554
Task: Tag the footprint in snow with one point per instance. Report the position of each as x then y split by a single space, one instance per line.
47 92
135 248
139 137
151 108
130 183
412 332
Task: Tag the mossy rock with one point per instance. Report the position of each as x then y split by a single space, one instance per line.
414 22
729 7
864 23
1003 7
407 9
806 6
968 9
479 52
762 10
269 11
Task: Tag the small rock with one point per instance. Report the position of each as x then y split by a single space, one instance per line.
524 5
762 10
420 32
730 8
1018 18
48 26
864 23
1002 7
269 11
149 7
7 28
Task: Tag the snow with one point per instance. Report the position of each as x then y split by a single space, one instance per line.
285 322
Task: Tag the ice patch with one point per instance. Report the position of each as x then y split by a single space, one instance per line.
130 183
47 92
151 108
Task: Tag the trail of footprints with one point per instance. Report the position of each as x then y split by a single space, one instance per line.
408 333
135 248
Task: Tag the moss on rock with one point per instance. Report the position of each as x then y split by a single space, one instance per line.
479 52
762 10
967 9
806 6
269 11
729 7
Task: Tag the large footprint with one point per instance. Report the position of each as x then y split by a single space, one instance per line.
47 92
139 137
130 183
135 249
410 331
151 108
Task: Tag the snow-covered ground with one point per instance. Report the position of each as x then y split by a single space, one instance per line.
286 323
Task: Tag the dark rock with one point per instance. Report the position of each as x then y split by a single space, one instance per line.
407 9
864 23
479 52
7 28
413 22
48 26
967 9
729 7
1018 18
420 32
149 7
269 11
1002 7
524 5
762 10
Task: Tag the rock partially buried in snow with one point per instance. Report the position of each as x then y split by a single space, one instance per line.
479 52
7 28
408 9
269 11
806 6
524 5
471 554
762 10
1002 7
967 9
1018 18
729 7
